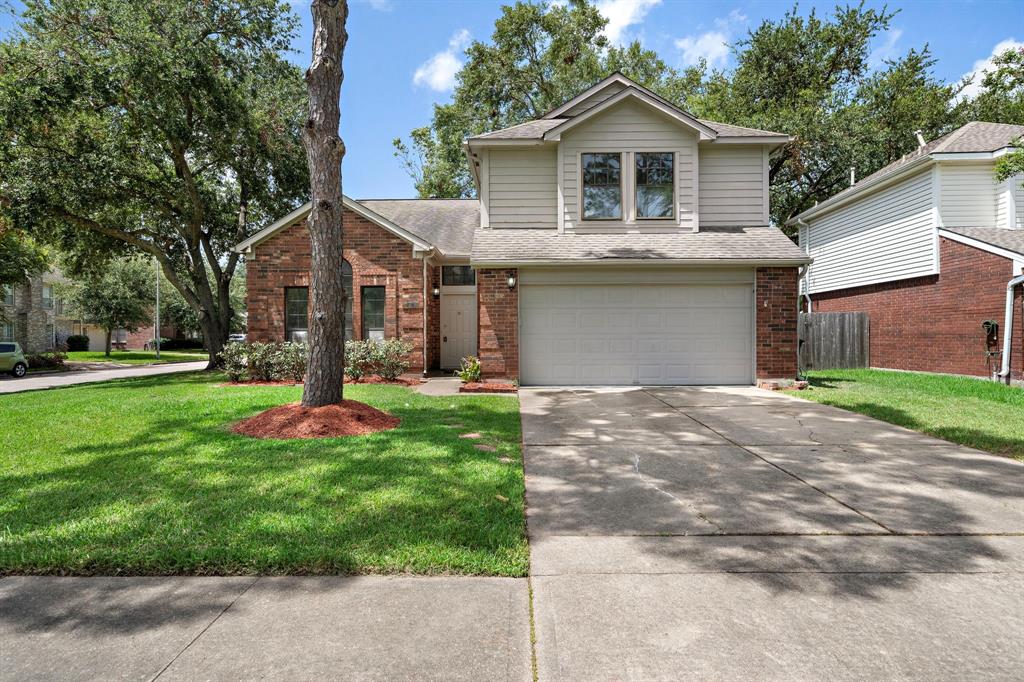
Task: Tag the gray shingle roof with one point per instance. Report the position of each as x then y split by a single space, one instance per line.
534 130
492 245
1011 240
976 136
447 224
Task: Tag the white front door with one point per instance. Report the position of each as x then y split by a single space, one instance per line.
458 328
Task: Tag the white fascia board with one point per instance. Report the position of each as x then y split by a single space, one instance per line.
970 156
704 132
418 245
983 246
860 189
697 262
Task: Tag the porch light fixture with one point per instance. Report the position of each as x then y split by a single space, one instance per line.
436 292
511 281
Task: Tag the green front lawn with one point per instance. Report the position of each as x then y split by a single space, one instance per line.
981 414
143 476
136 357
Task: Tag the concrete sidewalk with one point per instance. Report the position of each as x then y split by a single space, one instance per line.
295 628
57 380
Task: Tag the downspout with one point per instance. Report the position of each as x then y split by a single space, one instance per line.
426 341
807 268
1004 373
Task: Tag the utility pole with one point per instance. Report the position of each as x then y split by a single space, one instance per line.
156 336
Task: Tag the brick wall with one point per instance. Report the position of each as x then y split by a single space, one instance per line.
378 258
498 326
433 319
776 342
933 324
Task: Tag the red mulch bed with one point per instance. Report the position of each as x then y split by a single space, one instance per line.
374 379
350 418
487 387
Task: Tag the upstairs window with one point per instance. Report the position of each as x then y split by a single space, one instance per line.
8 291
48 297
655 195
602 186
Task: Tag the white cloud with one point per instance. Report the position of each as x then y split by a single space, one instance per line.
438 72
977 72
621 14
887 50
711 46
381 5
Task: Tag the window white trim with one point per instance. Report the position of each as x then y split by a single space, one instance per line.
623 213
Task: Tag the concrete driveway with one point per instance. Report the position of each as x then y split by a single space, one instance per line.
724 533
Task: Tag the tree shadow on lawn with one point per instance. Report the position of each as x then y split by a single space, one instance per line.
187 496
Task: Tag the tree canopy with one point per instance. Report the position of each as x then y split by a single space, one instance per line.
121 297
165 127
809 75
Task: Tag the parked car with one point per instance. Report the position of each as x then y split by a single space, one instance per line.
12 360
236 338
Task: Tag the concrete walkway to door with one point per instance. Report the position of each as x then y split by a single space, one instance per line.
732 533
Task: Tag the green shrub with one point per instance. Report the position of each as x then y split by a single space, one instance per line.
181 344
290 361
77 342
51 359
262 361
469 369
392 358
235 361
360 359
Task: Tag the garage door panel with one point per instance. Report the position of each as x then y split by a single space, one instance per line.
636 333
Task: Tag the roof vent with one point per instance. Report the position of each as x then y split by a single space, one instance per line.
853 176
920 138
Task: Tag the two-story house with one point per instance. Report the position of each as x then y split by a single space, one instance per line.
616 240
928 246
33 315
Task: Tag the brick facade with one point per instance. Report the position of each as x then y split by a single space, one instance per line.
377 257
498 323
776 324
933 324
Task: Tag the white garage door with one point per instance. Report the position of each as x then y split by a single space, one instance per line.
636 333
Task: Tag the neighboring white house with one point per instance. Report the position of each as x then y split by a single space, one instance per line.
926 246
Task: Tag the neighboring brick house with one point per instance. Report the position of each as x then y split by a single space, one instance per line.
617 240
33 315
927 246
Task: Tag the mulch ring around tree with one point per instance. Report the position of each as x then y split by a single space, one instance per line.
349 418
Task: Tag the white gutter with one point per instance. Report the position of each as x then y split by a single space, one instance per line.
654 262
1008 325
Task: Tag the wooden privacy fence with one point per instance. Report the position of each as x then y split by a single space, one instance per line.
833 340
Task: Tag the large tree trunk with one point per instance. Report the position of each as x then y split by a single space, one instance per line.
324 153
106 345
215 335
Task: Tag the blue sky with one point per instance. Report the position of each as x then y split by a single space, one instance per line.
402 55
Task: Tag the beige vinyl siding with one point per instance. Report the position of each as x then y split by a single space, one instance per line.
732 187
885 236
629 127
523 188
967 195
608 92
